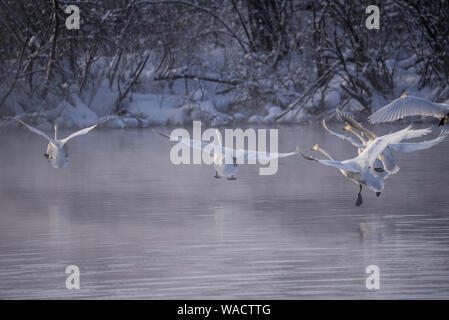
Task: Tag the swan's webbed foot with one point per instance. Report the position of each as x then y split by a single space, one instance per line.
216 175
379 169
359 200
232 178
378 194
47 156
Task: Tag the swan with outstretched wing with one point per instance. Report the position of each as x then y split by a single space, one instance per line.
57 149
406 106
360 169
226 159
388 162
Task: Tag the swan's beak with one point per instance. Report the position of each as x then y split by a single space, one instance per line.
404 95
347 127
315 147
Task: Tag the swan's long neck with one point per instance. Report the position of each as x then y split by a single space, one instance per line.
325 153
56 132
218 157
356 134
218 136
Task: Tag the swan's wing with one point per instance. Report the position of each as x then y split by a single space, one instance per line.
199 145
227 152
369 155
406 106
341 136
261 155
388 162
417 146
83 131
332 163
352 122
342 165
36 131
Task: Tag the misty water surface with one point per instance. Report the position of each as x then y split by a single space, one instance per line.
139 227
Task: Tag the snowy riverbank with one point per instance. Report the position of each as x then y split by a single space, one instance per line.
180 101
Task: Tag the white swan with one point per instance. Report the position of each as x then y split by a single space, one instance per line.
387 158
348 174
220 165
57 150
410 106
404 147
360 169
223 167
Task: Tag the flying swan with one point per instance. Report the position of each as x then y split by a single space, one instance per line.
385 160
360 169
57 150
223 167
410 106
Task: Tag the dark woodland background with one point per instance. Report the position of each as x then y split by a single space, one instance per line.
307 57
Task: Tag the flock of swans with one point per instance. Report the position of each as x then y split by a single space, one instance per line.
373 164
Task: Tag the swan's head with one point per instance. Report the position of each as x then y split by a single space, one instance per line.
315 147
347 127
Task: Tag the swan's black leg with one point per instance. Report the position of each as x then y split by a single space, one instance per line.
359 201
232 178
444 119
377 194
46 156
216 175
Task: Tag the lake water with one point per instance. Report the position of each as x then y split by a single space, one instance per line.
139 227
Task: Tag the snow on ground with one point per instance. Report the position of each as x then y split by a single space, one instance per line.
178 102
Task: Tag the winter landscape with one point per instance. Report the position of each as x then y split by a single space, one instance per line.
137 225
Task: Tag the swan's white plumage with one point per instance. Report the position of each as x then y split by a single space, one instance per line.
418 146
386 157
57 150
229 153
408 106
360 168
36 131
82 132
369 155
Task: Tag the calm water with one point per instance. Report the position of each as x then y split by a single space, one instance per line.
139 227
